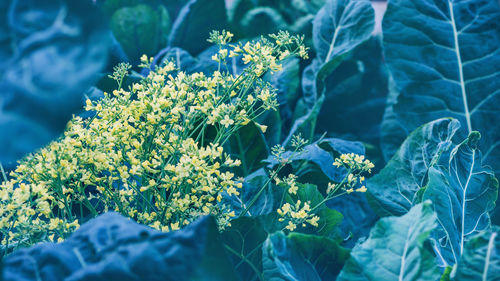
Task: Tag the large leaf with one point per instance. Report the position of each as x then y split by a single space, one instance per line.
444 57
244 241
50 53
192 26
395 249
393 191
463 194
338 27
140 29
323 153
358 217
112 247
356 90
481 257
301 257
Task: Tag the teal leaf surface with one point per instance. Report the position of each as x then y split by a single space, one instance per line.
393 191
395 249
463 194
481 257
112 247
192 26
301 257
444 58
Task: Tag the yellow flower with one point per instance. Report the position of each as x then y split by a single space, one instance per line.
291 226
226 122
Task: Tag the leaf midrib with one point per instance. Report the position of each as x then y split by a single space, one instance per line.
460 67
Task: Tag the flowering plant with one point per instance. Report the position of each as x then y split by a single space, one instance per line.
153 152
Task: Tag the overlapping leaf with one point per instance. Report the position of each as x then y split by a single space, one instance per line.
481 257
112 247
395 249
301 257
393 191
444 58
463 194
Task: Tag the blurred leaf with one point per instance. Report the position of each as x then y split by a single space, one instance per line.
139 29
395 249
393 191
192 26
481 257
51 52
463 194
301 257
262 20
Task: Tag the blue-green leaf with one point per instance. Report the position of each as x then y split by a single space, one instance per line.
395 249
50 53
322 153
393 191
481 257
138 30
444 58
463 194
192 26
112 247
338 27
301 257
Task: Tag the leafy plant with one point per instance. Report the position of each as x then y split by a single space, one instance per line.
50 54
442 56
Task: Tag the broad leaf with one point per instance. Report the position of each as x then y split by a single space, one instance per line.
481 257
112 247
355 95
262 20
395 249
338 27
358 217
192 26
393 191
323 153
244 241
444 58
140 29
463 194
301 257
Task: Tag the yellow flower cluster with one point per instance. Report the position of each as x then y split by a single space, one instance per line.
153 152
356 166
297 214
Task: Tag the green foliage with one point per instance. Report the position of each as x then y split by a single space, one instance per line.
443 57
393 191
395 249
301 257
463 193
140 30
192 25
481 257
